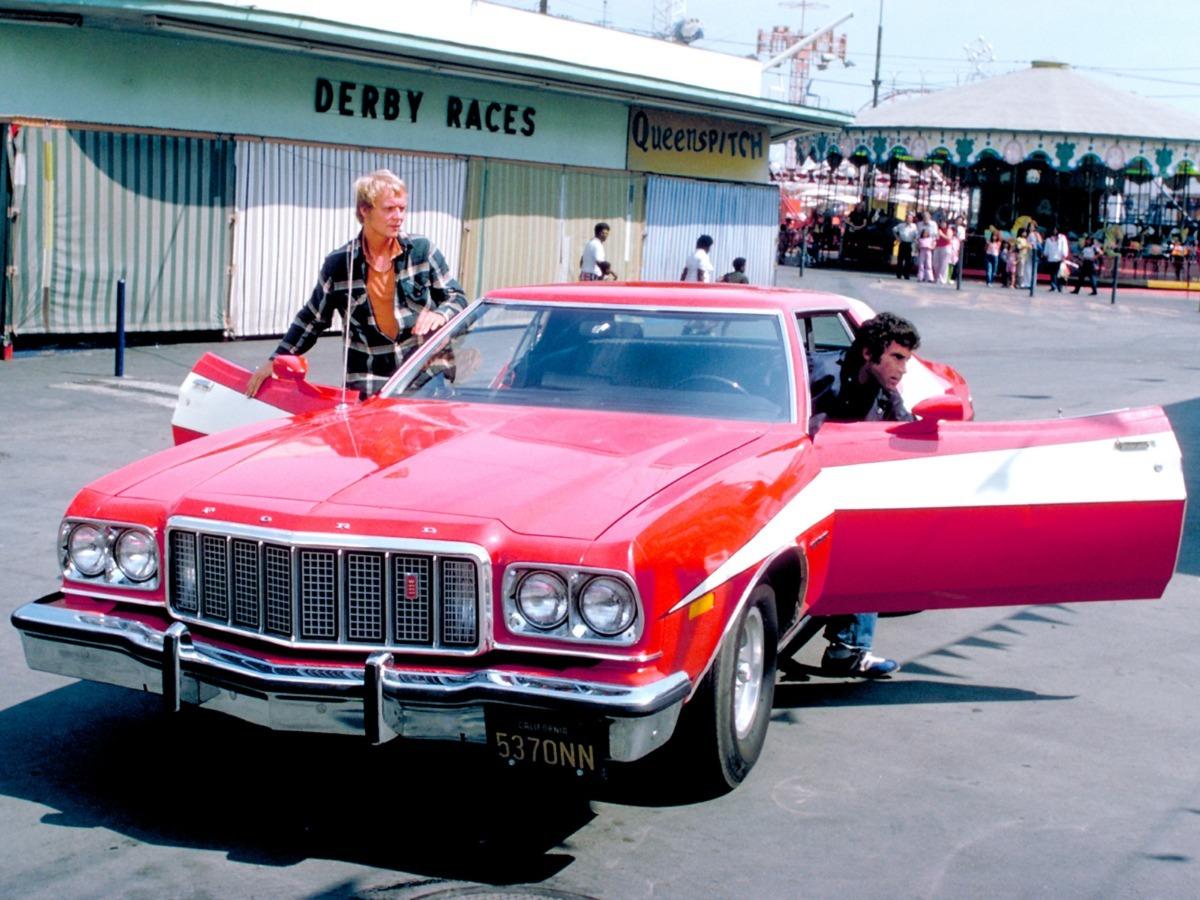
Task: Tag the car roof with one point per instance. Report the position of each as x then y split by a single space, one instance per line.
671 294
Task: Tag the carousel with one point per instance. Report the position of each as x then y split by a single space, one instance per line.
1044 145
848 210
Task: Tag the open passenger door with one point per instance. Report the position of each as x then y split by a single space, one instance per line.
213 396
930 514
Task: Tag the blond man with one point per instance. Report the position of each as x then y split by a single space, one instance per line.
397 285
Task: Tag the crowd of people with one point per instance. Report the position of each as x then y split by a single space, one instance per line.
930 246
1011 261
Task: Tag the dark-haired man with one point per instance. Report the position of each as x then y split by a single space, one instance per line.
866 390
738 275
699 266
593 265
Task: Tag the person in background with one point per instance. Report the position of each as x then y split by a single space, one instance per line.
784 242
991 256
738 275
390 288
593 265
1055 251
1008 252
958 237
941 252
1024 258
1088 258
906 234
926 242
1036 240
699 266
1179 253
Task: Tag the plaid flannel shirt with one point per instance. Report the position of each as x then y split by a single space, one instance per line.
423 281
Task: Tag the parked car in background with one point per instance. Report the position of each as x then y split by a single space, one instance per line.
578 527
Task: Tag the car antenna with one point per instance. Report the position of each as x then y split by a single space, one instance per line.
342 404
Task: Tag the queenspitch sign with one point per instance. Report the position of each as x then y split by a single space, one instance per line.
677 144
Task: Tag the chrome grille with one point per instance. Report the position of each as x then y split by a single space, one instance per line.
184 587
318 594
277 591
413 609
245 584
214 588
458 602
364 597
324 595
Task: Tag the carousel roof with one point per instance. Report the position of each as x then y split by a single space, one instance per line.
1047 98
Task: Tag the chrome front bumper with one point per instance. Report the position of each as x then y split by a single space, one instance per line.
379 700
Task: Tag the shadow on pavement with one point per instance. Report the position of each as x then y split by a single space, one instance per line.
897 692
804 685
108 758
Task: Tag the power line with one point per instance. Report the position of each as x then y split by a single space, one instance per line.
1145 68
1146 78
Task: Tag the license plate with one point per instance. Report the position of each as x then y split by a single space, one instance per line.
532 741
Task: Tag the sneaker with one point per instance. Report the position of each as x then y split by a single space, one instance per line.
856 663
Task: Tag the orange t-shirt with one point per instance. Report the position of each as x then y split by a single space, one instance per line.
381 289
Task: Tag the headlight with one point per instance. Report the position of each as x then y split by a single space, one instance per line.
542 599
109 554
572 604
86 549
136 555
607 605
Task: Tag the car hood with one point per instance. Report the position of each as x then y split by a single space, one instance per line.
569 473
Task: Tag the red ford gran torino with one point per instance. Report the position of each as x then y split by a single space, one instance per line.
581 520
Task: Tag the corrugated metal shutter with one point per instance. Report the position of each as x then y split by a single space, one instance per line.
743 220
528 223
616 198
97 206
296 204
514 232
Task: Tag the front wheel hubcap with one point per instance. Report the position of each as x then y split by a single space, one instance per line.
748 673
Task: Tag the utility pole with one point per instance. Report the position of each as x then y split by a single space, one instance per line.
878 52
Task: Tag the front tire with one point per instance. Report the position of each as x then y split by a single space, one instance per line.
726 721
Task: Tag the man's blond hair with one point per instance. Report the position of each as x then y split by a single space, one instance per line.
368 188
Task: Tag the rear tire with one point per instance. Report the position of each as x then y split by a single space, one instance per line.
725 724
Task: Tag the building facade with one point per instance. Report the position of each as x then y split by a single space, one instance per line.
206 154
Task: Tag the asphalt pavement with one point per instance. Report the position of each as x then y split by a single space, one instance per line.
1022 752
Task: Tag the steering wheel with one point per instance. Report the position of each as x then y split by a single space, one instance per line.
728 385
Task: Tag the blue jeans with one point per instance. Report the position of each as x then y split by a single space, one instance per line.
989 268
856 631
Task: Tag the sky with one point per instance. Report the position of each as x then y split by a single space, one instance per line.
1139 47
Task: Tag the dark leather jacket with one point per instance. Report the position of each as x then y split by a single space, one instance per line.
839 397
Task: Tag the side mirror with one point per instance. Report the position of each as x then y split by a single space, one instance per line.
941 408
289 368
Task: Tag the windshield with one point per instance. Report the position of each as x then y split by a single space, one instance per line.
679 362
